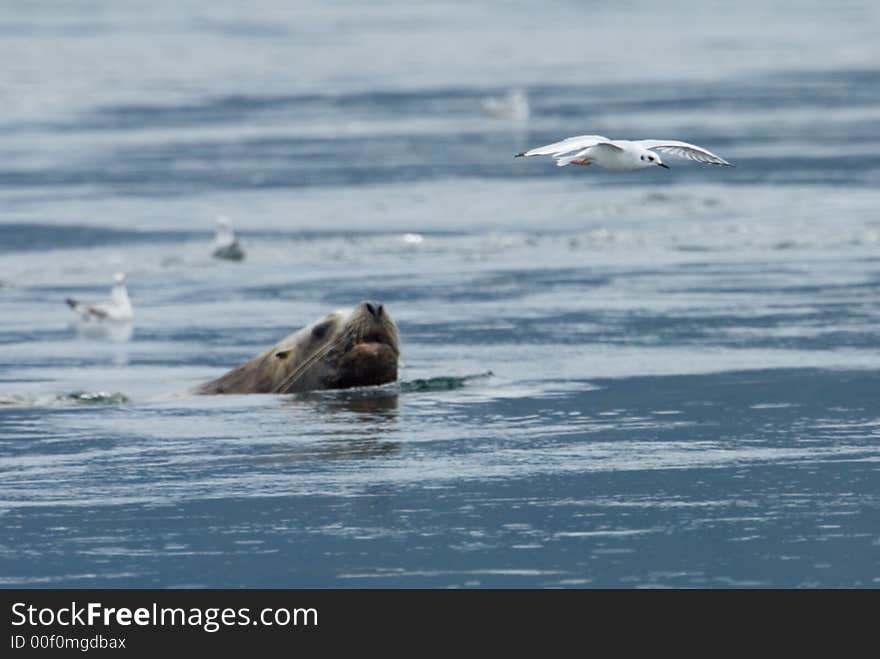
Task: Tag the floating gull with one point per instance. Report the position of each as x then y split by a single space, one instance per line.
621 155
117 308
225 243
513 105
412 238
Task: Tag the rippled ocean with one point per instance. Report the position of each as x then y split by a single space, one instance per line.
650 379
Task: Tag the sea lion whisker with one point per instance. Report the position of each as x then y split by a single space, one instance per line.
302 368
349 337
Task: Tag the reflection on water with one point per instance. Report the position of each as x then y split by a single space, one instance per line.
105 331
368 403
355 445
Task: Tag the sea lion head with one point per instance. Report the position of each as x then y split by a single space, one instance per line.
347 348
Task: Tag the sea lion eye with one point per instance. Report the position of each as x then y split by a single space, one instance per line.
320 330
642 157
651 158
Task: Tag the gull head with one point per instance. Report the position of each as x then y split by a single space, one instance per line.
648 158
119 278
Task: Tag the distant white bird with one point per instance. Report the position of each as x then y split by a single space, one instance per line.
621 155
513 105
412 238
225 243
117 308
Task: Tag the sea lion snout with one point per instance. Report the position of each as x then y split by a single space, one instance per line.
372 324
368 363
374 309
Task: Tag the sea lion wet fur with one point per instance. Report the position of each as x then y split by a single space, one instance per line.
347 348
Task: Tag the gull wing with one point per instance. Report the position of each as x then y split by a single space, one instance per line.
87 310
569 145
683 150
589 152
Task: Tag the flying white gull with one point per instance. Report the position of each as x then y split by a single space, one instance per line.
621 155
225 243
117 308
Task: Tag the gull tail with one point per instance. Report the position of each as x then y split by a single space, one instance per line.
561 161
85 310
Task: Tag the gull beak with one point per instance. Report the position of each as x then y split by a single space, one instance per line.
660 164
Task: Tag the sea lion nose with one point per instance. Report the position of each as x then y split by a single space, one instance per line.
375 309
